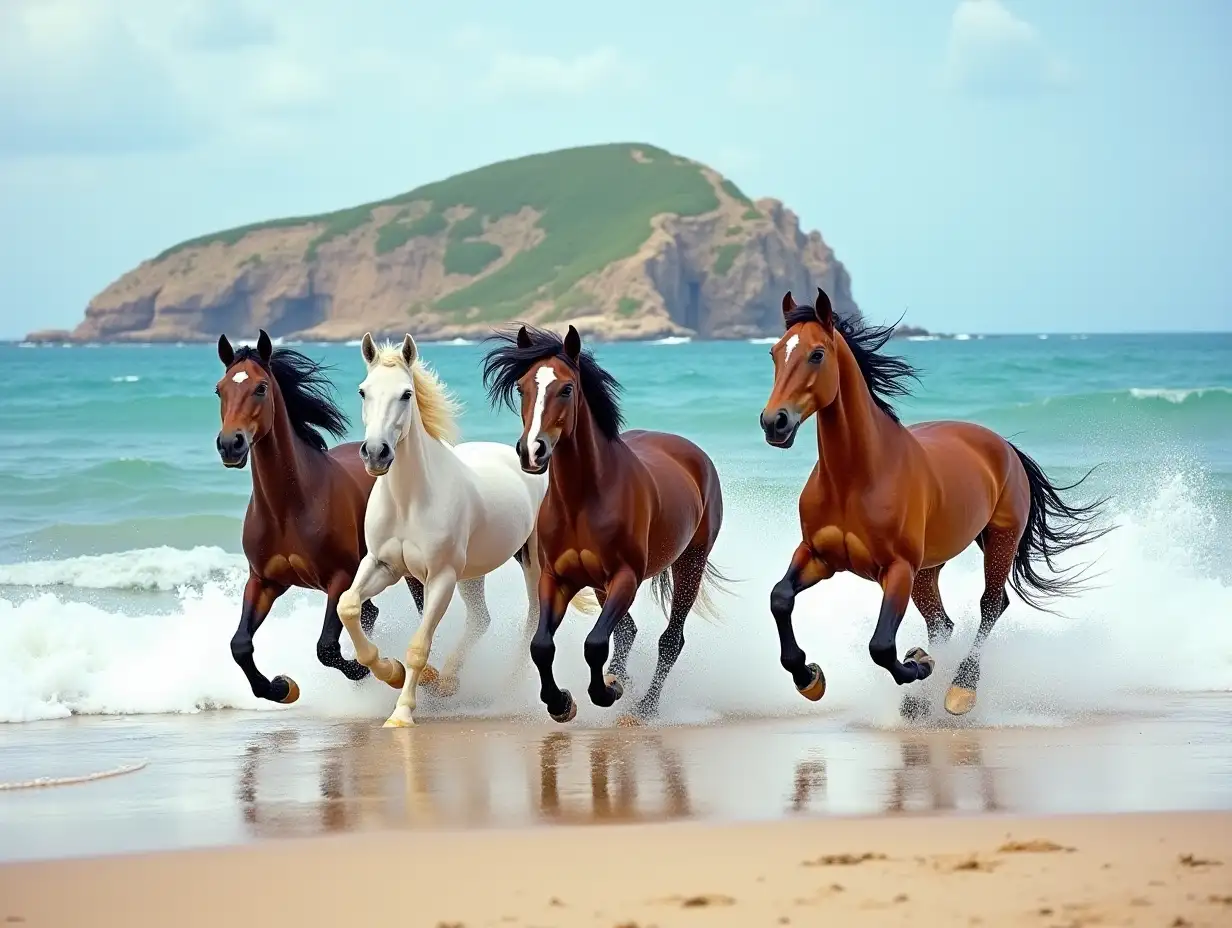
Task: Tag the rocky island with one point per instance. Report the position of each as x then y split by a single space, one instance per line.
624 241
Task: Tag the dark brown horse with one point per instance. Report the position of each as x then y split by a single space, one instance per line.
893 504
305 521
621 508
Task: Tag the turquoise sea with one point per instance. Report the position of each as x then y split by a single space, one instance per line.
119 530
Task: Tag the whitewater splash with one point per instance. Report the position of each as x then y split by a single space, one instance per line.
1154 622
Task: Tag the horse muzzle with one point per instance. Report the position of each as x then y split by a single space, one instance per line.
781 427
233 448
378 457
536 460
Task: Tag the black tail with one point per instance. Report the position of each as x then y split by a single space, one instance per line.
1053 527
661 588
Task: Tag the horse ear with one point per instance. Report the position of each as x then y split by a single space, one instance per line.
410 351
825 312
523 338
265 348
226 354
367 347
573 344
789 304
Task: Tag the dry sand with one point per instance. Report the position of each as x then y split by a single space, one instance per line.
1171 869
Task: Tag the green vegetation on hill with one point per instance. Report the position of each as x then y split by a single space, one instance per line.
594 204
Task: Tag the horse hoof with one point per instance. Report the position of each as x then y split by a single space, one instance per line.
570 712
616 685
400 719
429 676
959 700
292 689
921 657
446 687
914 707
815 690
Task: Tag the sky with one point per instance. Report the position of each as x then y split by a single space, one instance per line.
981 166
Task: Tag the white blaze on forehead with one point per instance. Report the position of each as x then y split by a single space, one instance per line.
544 376
791 346
240 377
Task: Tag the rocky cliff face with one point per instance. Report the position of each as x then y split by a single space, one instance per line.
719 273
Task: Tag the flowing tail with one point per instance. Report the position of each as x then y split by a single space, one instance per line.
662 589
585 602
1053 527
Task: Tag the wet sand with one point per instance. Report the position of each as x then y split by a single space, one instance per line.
229 778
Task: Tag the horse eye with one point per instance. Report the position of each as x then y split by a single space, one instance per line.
567 390
361 393
406 396
816 356
261 390
217 391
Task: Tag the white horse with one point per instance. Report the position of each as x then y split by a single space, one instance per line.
445 515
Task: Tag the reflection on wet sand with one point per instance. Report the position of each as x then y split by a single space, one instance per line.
612 754
376 778
419 778
231 778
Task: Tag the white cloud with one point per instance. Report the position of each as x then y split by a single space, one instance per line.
762 87
84 78
513 73
991 51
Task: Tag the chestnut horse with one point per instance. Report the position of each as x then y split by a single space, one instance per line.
894 504
305 521
621 508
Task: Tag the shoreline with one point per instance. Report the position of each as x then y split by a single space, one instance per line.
1125 869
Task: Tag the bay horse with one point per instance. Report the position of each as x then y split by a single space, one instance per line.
893 504
304 523
445 515
622 507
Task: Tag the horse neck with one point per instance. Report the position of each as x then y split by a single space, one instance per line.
853 435
579 461
279 461
416 462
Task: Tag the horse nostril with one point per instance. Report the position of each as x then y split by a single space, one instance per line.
517 446
541 448
780 421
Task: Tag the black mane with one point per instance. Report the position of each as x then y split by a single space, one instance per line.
885 375
306 393
507 363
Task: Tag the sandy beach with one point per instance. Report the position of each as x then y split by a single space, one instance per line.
1117 820
1169 869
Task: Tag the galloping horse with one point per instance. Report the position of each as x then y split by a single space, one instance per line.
893 504
445 515
621 507
304 525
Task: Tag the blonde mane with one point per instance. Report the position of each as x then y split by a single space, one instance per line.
438 407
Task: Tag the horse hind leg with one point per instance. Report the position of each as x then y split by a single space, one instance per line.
926 594
999 547
478 620
687 574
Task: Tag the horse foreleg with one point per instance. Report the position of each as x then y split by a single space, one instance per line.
259 598
999 547
806 571
438 591
896 583
372 578
554 598
621 590
478 620
328 651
